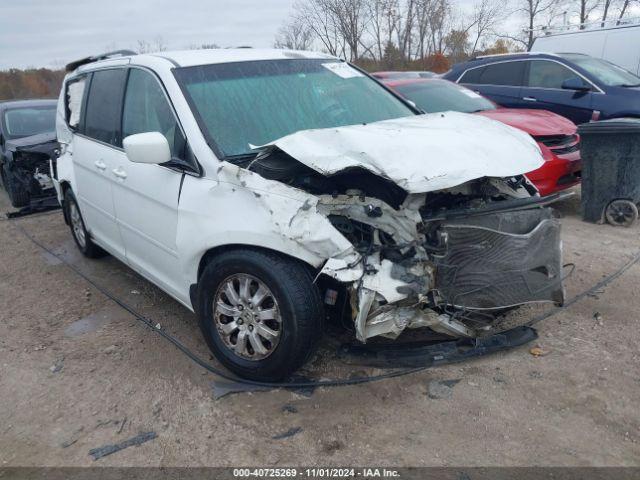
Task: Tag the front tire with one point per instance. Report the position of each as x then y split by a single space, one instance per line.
78 230
260 313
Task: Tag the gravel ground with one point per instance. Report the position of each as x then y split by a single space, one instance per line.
78 372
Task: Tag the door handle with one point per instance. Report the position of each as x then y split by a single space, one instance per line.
120 173
530 99
100 165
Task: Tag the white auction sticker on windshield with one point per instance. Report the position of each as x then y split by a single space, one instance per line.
342 69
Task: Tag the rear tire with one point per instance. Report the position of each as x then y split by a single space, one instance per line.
78 230
243 291
17 195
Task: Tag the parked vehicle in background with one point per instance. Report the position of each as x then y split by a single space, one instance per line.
576 86
339 213
27 142
401 75
556 136
618 44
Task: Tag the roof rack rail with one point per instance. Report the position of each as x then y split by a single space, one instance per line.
103 56
587 26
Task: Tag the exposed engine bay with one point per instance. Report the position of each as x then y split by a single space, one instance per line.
28 165
451 259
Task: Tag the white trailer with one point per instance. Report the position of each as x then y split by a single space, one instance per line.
618 44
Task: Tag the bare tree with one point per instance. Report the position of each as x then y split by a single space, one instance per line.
440 25
382 23
314 15
405 29
625 9
606 6
487 14
457 43
350 18
533 10
294 35
585 9
423 12
202 46
156 45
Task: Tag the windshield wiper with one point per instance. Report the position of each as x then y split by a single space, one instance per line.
242 159
630 85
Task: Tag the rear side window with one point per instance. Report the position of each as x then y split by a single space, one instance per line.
545 74
104 104
75 94
146 109
505 73
472 76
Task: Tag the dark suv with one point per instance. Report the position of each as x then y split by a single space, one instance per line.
576 86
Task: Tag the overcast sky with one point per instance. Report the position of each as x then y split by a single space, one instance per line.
50 33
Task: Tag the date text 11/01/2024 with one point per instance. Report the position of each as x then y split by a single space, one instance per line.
315 473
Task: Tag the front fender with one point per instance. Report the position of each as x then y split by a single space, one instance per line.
253 212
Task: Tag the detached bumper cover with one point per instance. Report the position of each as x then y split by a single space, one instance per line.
402 355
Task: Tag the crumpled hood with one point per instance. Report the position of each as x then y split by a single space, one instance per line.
422 153
25 143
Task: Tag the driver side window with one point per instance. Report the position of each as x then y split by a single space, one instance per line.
146 109
545 74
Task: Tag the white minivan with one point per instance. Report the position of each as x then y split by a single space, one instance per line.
270 190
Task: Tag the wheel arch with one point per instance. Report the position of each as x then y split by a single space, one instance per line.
212 252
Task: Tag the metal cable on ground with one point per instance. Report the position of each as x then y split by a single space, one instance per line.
198 360
598 286
308 384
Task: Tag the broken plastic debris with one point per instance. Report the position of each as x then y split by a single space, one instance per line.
289 433
537 351
226 387
598 318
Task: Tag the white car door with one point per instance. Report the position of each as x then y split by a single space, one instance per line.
95 153
146 195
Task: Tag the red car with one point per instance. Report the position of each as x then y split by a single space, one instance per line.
384 76
556 136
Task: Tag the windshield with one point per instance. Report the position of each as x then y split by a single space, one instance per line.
434 96
606 72
247 104
23 122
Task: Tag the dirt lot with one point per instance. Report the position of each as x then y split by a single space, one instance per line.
78 372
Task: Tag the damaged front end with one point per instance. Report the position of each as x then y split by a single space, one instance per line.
446 243
453 275
28 165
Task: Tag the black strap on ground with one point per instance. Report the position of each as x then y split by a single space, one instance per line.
591 291
36 206
295 384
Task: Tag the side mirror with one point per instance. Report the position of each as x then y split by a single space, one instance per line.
575 83
151 147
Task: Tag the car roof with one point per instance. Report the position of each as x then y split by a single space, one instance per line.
36 102
482 59
190 58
